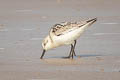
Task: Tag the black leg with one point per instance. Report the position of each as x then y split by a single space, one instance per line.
42 54
72 52
74 47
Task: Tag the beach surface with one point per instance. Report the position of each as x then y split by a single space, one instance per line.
25 23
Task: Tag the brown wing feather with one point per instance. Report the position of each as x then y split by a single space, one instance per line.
60 29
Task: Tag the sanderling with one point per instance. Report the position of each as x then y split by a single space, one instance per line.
65 33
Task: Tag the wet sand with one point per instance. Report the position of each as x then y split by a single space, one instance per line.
92 68
24 24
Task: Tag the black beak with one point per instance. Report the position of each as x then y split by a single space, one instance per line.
42 54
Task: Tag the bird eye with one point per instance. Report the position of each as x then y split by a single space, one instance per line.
45 42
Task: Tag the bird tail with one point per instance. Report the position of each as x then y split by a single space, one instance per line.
91 21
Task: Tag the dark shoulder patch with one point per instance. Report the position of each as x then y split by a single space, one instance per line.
59 34
56 27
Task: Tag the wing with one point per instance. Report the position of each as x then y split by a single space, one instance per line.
66 27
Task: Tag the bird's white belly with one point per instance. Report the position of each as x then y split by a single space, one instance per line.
68 38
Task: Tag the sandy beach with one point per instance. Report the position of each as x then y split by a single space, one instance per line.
24 24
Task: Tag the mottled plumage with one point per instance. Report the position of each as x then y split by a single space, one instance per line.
65 33
65 27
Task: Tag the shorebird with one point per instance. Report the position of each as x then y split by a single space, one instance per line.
65 33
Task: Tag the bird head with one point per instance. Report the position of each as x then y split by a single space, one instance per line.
46 44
